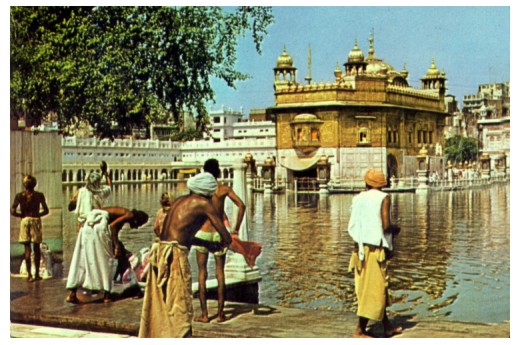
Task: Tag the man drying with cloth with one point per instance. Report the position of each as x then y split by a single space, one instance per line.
167 305
371 229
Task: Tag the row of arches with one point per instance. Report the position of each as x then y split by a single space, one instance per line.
69 175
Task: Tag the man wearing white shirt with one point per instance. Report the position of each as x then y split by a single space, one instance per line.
371 229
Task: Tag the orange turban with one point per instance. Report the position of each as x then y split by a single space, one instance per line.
375 178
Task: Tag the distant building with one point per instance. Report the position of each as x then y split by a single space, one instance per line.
367 117
455 124
232 138
258 115
489 111
222 121
490 101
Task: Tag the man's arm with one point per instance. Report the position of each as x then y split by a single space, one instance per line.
211 246
385 217
43 203
157 224
241 209
16 203
385 213
104 171
115 227
217 223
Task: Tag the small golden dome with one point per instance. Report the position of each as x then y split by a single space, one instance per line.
433 70
284 60
356 54
404 72
337 69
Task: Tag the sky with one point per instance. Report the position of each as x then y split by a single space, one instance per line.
471 44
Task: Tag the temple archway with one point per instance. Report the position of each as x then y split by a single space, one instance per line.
392 167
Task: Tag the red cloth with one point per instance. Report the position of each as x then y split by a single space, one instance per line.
249 249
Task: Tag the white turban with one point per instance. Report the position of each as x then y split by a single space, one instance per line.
203 184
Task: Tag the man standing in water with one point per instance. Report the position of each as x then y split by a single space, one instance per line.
167 304
30 202
371 229
209 233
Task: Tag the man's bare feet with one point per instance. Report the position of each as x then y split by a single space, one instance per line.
359 334
203 319
30 279
72 298
393 331
222 318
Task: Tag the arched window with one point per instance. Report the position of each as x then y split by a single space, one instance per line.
363 136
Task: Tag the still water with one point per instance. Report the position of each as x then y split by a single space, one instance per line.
452 262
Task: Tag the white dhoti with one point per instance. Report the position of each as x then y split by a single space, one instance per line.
93 263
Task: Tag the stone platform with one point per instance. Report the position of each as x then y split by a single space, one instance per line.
42 303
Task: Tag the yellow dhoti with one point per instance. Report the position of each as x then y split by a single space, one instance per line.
168 301
30 230
371 284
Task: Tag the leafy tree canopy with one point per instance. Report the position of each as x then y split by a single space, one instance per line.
128 66
461 149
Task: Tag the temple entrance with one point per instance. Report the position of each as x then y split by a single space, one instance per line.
392 169
308 173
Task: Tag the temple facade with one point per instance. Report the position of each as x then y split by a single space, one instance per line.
368 117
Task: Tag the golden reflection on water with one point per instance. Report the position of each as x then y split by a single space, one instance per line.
452 257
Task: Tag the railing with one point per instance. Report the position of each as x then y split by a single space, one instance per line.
306 185
258 184
467 182
404 184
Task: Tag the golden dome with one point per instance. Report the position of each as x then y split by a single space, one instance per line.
356 54
377 66
404 72
433 70
284 60
337 68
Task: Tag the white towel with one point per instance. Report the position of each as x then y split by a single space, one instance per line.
83 204
203 184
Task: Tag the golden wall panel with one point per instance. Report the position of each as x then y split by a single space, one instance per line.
329 134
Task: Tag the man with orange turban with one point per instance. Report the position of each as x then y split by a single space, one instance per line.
371 229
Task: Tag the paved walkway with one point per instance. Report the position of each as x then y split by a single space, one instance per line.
39 310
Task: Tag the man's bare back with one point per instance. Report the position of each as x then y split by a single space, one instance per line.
218 201
187 215
29 202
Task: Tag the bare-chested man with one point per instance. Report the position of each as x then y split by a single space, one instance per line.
167 306
30 202
209 233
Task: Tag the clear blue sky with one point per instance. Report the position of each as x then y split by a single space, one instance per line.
471 44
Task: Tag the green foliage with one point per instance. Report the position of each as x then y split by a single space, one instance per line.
125 65
461 149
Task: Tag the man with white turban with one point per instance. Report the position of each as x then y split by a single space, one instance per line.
168 301
371 229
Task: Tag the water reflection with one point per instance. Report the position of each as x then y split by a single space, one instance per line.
452 257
